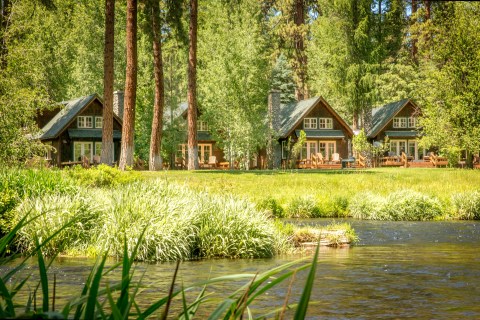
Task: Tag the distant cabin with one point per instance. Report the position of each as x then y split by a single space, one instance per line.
74 129
326 132
399 121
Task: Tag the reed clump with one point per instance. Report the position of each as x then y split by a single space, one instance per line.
179 223
398 205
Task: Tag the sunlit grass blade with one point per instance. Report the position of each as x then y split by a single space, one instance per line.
170 292
43 277
192 309
9 310
301 311
93 291
115 311
221 309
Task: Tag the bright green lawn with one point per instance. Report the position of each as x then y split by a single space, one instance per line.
285 185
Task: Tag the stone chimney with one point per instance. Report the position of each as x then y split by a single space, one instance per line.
118 102
274 110
274 127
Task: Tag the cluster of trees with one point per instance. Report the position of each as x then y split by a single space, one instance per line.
356 53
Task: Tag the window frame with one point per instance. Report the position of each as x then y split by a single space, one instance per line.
202 125
82 122
310 123
400 122
101 122
325 123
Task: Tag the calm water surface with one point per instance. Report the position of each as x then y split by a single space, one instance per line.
417 270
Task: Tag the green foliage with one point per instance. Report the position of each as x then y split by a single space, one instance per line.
101 176
466 205
333 207
398 205
282 79
302 207
232 76
271 206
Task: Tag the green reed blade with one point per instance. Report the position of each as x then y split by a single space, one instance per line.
301 311
93 292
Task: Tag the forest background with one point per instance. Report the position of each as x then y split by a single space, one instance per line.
357 54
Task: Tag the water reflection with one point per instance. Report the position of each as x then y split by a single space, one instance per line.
398 270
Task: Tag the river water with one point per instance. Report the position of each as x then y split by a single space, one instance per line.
398 270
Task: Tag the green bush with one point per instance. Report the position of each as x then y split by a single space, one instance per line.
302 207
271 206
8 201
333 208
101 176
466 205
399 205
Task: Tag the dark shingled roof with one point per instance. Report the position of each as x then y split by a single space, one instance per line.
401 134
337 134
91 133
71 108
65 116
292 112
382 115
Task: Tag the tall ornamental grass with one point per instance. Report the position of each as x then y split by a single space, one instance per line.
179 223
466 205
398 205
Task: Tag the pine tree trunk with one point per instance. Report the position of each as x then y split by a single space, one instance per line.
301 91
126 155
192 88
414 41
108 78
155 162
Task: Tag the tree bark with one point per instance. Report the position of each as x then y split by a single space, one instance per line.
155 162
414 40
301 91
128 130
192 88
108 78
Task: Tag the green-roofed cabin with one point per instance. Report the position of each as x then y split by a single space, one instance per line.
327 133
207 146
74 129
398 121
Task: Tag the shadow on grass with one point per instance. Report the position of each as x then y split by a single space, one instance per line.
292 171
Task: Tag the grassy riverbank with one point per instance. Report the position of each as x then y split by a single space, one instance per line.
101 209
446 193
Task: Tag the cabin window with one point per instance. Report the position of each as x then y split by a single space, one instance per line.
412 122
310 123
202 126
327 148
284 149
98 149
204 152
326 123
98 122
400 122
85 122
48 151
82 149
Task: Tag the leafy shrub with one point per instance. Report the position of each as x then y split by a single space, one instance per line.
8 201
32 182
399 205
271 206
466 205
302 207
333 208
101 176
